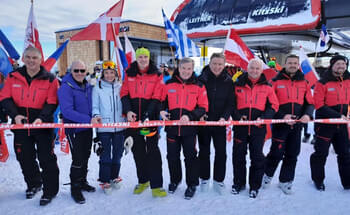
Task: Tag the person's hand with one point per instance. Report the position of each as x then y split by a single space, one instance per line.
96 120
131 116
37 121
305 118
203 118
19 119
184 118
243 118
290 117
257 119
343 117
165 115
222 119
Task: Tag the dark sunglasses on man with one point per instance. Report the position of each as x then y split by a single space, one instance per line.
79 70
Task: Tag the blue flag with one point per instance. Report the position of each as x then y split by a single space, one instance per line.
8 46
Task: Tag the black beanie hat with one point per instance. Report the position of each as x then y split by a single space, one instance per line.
335 58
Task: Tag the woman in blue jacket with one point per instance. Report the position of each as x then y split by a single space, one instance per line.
107 108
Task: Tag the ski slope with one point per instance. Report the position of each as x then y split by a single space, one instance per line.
304 200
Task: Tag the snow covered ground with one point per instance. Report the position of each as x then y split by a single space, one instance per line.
304 200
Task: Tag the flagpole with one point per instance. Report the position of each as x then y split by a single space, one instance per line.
116 49
173 56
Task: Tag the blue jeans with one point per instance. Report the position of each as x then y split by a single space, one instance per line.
112 143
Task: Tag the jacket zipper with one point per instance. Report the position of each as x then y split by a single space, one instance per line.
113 106
182 95
250 109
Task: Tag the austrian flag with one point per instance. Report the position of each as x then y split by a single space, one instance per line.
101 28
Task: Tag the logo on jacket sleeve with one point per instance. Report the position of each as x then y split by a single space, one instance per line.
171 91
281 86
16 85
331 89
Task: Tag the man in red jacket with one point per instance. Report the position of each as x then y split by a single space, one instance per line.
295 102
186 100
140 95
255 99
29 96
332 98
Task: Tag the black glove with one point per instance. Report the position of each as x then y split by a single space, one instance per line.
145 117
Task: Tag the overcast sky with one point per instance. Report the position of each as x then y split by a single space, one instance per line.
53 15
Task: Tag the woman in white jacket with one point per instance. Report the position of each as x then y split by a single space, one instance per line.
107 108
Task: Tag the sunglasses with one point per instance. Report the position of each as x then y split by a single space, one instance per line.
108 65
79 70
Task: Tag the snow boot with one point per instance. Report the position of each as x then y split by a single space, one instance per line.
107 188
172 187
46 199
253 193
85 186
159 192
219 187
286 187
236 189
30 192
140 188
76 193
266 181
116 183
320 186
204 185
190 191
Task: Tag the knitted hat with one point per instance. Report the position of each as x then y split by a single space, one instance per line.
271 64
142 51
335 58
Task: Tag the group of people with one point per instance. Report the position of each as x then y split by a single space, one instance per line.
31 95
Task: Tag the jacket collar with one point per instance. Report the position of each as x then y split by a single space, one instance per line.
283 75
244 80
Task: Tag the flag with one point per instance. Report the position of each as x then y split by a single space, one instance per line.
48 64
101 28
184 47
11 51
309 72
5 66
129 50
122 62
238 54
323 40
63 140
4 153
32 33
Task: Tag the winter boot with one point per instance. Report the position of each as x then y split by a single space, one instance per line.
219 187
85 186
236 189
286 187
31 191
141 187
204 185
107 188
172 187
253 193
46 199
190 191
158 192
266 181
76 193
306 138
320 186
116 183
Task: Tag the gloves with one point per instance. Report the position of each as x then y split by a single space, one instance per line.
98 149
145 117
128 144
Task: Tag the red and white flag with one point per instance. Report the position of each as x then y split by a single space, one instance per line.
32 33
129 50
238 54
101 28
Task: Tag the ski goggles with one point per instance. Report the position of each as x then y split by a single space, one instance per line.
108 65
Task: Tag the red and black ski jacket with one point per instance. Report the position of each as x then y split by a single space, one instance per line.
34 99
332 95
293 94
220 94
184 98
254 101
141 92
